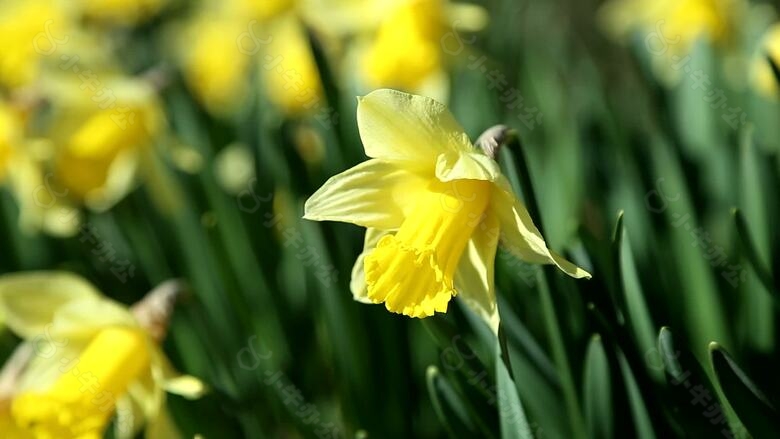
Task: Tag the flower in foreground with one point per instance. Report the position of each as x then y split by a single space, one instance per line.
434 207
92 359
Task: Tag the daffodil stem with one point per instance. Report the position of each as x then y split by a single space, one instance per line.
751 252
557 345
504 346
559 356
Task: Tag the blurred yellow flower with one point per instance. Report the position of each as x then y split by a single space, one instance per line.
434 207
406 51
290 74
220 47
23 174
713 20
670 28
99 144
763 78
29 30
96 145
93 360
213 67
407 48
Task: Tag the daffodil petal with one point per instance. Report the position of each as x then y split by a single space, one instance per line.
43 370
185 385
30 300
84 317
358 282
129 418
372 194
41 211
466 166
762 76
474 277
346 17
568 267
146 394
119 181
519 234
173 381
162 427
467 17
290 39
403 127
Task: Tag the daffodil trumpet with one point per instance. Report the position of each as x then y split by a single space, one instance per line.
435 208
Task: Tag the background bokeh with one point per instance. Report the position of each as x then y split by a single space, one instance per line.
242 109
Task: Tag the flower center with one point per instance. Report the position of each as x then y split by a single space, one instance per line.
412 271
81 401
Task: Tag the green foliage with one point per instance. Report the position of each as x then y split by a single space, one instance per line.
673 212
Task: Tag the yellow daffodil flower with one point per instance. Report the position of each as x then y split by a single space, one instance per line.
92 360
407 49
434 207
763 78
670 28
290 75
215 70
99 144
23 174
223 45
29 31
92 154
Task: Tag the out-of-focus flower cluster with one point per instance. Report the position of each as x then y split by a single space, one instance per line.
671 29
81 116
75 126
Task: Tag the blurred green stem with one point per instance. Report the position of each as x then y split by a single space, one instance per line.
751 252
552 325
